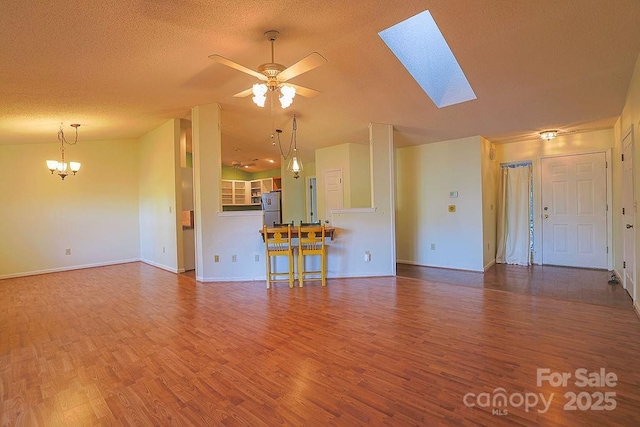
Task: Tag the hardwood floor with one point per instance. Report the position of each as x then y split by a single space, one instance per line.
135 345
570 284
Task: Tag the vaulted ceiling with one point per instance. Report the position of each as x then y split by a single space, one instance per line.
122 68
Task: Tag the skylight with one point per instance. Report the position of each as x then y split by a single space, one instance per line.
421 48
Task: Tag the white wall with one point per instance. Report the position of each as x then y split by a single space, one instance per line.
426 174
95 213
221 234
368 229
534 150
160 197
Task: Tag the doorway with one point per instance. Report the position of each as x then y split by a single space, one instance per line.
574 211
312 199
333 191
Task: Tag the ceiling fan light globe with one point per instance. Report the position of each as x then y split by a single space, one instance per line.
285 101
288 91
259 89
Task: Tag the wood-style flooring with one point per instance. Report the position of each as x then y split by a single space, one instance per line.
135 345
570 284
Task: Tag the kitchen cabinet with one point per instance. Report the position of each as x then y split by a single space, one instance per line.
235 192
258 187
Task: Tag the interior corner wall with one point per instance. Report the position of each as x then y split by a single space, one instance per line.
159 183
94 214
490 169
427 233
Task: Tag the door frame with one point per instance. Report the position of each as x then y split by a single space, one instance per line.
538 213
631 292
311 198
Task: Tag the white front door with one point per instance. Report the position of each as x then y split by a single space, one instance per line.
333 192
628 217
574 211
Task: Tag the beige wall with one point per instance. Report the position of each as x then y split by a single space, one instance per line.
359 176
425 176
160 180
95 214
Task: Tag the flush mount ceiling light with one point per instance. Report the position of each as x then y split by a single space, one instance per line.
275 75
61 166
548 135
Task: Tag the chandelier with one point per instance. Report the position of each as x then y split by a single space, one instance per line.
295 163
61 166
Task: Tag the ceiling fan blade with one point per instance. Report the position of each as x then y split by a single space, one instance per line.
235 65
308 63
244 93
305 91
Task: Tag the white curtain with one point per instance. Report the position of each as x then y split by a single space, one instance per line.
513 216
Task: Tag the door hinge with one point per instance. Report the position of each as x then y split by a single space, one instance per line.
606 207
622 155
624 264
607 249
606 165
622 211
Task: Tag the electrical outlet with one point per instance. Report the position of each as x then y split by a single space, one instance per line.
433 246
164 250
367 256
216 258
234 258
68 251
257 257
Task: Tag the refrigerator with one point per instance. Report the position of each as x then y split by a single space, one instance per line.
272 207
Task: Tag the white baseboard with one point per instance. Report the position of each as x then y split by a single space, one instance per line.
164 267
68 268
489 264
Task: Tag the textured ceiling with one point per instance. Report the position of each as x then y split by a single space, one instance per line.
122 68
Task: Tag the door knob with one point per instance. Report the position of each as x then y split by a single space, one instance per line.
629 225
546 216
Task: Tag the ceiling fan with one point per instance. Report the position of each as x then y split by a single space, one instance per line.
276 76
237 164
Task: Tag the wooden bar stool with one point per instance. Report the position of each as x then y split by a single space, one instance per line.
311 242
277 243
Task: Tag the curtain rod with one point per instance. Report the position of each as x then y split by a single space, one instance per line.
516 164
